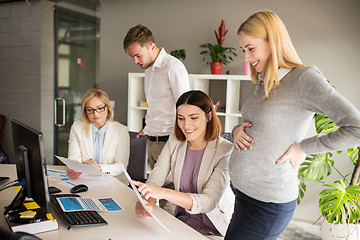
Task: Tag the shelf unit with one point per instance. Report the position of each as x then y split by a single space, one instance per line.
231 90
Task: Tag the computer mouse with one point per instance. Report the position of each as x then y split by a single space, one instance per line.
53 190
79 188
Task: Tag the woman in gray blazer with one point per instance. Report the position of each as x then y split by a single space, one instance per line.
97 139
195 159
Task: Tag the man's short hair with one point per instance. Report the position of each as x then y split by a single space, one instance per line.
138 34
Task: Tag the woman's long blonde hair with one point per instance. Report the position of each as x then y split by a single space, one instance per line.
267 25
89 94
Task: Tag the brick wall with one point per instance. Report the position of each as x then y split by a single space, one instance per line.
27 69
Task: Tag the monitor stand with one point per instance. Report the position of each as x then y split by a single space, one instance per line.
36 224
17 203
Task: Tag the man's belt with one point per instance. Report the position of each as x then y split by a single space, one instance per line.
158 138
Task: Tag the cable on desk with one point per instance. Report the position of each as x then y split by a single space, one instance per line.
14 184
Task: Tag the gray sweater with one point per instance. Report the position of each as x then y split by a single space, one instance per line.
283 120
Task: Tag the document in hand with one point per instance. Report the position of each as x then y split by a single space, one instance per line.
79 167
141 200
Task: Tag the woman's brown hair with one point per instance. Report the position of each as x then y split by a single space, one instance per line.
201 100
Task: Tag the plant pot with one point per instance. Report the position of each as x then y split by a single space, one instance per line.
340 231
216 67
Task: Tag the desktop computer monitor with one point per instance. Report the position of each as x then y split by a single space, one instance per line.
30 167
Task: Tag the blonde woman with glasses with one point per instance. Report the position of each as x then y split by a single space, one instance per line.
97 139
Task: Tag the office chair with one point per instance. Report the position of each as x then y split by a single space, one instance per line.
227 136
137 167
6 234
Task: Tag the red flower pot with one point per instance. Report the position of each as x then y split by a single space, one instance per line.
216 67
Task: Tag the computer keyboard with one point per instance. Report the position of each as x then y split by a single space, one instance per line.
78 218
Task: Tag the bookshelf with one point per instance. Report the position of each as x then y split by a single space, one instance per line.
231 90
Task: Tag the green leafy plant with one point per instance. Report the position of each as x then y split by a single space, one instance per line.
218 53
339 203
179 54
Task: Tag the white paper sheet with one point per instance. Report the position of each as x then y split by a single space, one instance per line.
79 167
90 181
57 175
141 200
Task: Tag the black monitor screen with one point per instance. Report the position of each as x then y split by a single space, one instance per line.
30 162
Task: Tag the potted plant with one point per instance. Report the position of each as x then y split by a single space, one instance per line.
339 203
179 54
218 54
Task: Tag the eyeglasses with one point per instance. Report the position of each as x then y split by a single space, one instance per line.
92 110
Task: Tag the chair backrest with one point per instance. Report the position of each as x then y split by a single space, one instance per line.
137 167
227 136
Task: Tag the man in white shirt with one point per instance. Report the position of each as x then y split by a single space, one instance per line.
166 78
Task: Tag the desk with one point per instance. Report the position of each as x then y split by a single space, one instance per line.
124 224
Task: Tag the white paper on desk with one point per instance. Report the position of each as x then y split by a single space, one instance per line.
89 180
141 200
85 169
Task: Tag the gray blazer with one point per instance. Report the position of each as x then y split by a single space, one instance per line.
214 197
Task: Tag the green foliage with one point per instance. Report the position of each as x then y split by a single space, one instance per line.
179 54
217 53
354 154
340 204
324 125
316 167
302 189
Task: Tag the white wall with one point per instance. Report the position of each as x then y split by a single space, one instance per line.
325 33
